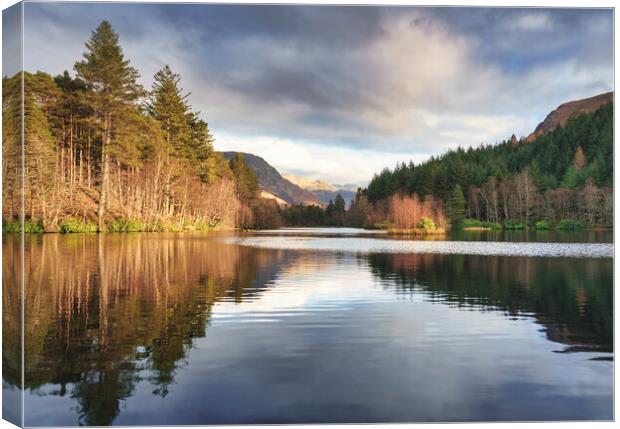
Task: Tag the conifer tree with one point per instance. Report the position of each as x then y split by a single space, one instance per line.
247 185
113 89
200 147
168 105
455 209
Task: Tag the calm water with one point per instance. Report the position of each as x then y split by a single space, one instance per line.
310 326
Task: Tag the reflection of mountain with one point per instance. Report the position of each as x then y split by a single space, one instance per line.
571 298
118 307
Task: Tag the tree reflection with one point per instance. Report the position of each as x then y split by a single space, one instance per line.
572 298
105 312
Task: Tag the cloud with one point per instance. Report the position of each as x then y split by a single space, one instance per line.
335 164
11 40
532 21
379 83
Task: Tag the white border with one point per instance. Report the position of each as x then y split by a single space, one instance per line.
482 3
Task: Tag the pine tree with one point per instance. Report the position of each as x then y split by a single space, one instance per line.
168 105
339 210
186 134
200 147
455 209
113 89
247 185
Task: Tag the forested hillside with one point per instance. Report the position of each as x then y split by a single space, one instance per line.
564 174
102 153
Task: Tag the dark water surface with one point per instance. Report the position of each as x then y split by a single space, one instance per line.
208 329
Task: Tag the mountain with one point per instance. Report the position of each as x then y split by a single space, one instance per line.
568 110
272 183
309 184
322 190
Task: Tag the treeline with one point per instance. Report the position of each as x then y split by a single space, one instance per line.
334 214
565 174
101 153
406 213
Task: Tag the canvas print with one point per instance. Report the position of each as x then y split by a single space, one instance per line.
299 214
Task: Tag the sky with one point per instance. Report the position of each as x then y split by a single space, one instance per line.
337 93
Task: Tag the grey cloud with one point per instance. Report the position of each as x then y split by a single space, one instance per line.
350 76
11 40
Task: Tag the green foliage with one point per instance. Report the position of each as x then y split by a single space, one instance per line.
427 224
30 226
105 70
576 178
548 158
11 226
301 215
513 224
245 179
455 209
126 225
34 227
168 106
475 223
75 226
542 225
569 224
184 132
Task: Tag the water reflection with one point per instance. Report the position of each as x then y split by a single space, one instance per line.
102 310
11 330
117 321
571 298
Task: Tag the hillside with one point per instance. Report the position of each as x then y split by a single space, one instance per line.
568 110
565 158
270 181
322 190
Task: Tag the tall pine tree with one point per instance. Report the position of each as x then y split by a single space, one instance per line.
113 89
455 209
168 105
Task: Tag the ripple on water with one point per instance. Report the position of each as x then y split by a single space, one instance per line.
377 245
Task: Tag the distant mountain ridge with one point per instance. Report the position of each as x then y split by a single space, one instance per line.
568 110
323 190
272 183
309 184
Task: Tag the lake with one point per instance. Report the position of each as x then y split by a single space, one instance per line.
310 326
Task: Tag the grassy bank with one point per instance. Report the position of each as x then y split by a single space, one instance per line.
425 227
416 231
122 225
541 225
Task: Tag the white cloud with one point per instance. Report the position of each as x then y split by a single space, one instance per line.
532 21
334 164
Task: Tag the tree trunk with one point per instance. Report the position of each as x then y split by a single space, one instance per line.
105 177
